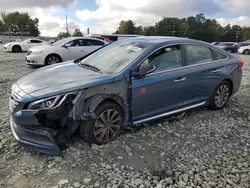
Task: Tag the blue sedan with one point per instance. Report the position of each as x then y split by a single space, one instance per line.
131 81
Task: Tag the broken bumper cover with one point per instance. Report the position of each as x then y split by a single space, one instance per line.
35 138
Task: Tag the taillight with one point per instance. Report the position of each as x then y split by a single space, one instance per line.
240 63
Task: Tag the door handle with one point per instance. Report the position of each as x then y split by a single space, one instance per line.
215 71
180 80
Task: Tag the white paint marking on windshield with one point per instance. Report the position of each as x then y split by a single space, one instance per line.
134 48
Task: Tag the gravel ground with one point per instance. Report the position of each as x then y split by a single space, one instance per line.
203 149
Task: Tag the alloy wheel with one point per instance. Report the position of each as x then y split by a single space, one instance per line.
53 60
107 126
222 95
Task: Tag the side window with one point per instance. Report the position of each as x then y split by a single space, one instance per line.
218 55
198 54
73 43
166 58
90 42
35 41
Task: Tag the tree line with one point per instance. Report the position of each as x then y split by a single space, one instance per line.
21 24
16 23
195 27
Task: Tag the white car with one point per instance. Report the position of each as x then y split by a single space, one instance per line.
23 46
63 50
244 50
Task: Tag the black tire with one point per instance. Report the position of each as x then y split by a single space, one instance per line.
48 59
246 52
16 49
230 51
88 128
217 97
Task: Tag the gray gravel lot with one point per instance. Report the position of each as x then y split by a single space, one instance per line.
203 149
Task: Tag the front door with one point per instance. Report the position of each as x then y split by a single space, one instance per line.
162 90
73 49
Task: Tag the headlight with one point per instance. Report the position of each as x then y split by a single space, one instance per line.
37 52
52 102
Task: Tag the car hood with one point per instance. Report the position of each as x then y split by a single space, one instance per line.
61 78
12 43
41 47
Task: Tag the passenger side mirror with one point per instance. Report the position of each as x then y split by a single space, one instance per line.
144 70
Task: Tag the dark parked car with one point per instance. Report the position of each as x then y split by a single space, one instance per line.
234 48
128 82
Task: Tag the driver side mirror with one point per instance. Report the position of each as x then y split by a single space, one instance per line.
66 45
144 70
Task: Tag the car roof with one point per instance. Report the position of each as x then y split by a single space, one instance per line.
75 38
160 39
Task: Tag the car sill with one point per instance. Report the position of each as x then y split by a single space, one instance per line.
169 113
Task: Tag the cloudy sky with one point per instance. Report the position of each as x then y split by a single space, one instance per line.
103 16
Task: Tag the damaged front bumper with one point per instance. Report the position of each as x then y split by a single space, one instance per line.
36 138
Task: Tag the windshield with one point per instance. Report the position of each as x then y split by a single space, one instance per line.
61 42
117 56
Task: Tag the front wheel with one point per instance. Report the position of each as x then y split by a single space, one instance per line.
107 125
220 95
16 49
53 59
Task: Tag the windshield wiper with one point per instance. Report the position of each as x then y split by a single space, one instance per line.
91 67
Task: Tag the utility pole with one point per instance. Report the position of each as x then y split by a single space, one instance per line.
67 28
237 36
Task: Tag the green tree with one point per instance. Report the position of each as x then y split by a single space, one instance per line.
139 30
20 23
126 27
195 27
169 27
1 27
77 33
149 31
245 33
63 35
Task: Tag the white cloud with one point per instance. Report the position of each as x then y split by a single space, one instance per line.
242 21
146 12
52 25
49 25
106 18
16 4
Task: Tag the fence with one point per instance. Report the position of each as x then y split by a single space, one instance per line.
6 38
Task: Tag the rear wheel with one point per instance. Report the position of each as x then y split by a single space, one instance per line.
107 125
246 52
16 49
53 59
221 95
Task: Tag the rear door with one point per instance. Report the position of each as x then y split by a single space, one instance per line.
203 71
90 45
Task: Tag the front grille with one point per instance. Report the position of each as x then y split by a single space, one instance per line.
29 52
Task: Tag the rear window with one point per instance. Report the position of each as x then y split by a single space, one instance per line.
218 55
90 42
198 54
